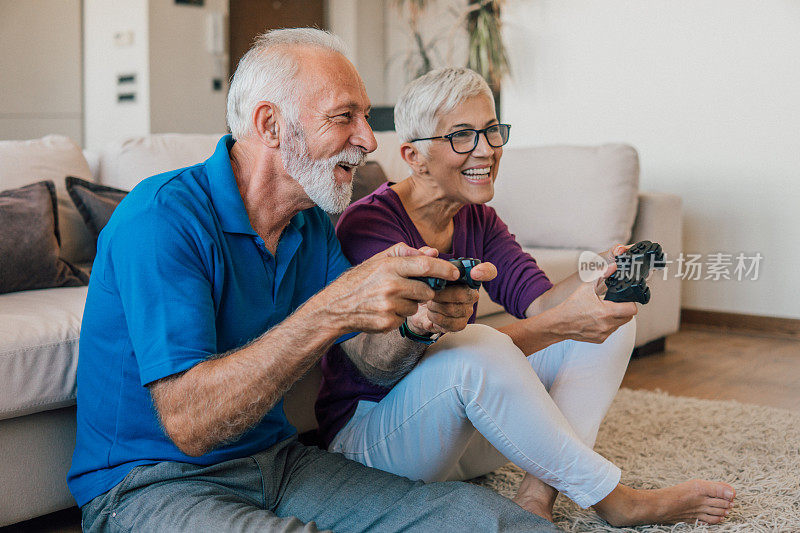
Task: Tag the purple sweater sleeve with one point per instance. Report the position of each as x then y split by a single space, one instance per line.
519 279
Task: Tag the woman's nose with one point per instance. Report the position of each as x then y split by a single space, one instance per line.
483 148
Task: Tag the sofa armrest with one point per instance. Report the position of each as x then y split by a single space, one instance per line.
659 218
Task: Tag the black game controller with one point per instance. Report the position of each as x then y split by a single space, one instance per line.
464 266
629 282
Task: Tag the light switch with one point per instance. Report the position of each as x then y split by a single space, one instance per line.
123 38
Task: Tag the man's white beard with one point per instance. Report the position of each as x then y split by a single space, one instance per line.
316 175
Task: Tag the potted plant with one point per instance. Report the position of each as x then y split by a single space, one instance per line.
486 52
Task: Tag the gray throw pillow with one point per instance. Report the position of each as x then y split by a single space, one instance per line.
366 180
95 202
30 241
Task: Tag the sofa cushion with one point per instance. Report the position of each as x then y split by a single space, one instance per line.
51 158
126 163
557 264
95 202
93 160
39 352
29 241
366 179
569 196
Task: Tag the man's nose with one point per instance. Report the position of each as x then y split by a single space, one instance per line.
364 137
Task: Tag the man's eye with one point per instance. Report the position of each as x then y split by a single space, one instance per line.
346 116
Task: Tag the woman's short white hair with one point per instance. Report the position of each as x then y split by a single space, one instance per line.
267 72
432 95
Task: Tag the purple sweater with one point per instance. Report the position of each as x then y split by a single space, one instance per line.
379 221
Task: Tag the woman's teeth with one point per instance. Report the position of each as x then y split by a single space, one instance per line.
477 174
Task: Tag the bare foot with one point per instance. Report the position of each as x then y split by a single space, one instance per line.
706 501
536 496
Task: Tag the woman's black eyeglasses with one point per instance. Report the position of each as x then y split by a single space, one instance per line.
465 141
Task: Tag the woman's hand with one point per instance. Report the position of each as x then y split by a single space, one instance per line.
583 316
614 251
452 306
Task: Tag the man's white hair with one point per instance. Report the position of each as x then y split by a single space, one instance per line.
432 95
268 72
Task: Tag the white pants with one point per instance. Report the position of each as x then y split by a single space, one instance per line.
474 400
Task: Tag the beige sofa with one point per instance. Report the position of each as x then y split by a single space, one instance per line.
549 196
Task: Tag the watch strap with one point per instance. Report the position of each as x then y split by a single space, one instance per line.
428 339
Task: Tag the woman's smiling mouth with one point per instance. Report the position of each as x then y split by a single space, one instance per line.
477 175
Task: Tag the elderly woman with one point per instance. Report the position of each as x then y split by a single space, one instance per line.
474 400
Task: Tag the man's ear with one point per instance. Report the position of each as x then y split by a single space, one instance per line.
266 123
413 158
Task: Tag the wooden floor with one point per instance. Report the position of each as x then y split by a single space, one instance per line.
710 364
698 362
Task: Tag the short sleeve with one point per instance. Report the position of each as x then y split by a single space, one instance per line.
519 279
165 290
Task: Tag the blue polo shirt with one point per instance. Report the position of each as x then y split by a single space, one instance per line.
179 276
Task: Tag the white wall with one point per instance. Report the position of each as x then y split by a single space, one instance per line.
40 68
343 20
182 69
360 24
164 45
105 58
708 91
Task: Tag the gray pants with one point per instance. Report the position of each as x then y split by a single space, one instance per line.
290 487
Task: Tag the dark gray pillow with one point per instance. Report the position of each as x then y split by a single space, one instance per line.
95 202
30 242
367 179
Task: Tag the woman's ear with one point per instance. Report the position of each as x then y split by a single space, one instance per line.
266 123
413 158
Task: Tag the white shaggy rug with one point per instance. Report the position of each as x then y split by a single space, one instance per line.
660 440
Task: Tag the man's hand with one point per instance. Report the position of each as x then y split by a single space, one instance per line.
451 307
377 295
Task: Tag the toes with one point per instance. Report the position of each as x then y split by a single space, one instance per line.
710 519
715 489
719 502
714 511
728 492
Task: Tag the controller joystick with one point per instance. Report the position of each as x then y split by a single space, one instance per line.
629 282
464 266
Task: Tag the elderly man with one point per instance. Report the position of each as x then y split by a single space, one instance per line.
219 285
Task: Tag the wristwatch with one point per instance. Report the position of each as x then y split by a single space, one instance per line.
428 339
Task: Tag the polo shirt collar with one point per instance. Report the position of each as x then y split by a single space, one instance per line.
225 193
